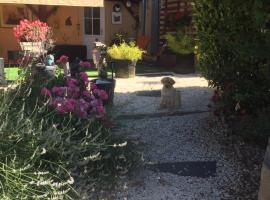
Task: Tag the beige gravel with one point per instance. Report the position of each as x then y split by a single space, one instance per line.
194 91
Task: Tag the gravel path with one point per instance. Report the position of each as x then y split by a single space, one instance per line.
177 139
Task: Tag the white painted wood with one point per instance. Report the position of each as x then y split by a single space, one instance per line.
66 69
89 40
2 72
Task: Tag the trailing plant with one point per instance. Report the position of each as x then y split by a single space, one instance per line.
32 31
233 45
125 52
180 43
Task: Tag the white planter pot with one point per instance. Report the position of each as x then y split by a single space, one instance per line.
33 47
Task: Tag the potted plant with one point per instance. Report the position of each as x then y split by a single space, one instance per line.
182 47
35 39
33 36
125 57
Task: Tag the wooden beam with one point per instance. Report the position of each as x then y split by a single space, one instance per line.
41 12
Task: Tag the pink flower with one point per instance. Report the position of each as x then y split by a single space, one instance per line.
63 59
84 76
72 82
103 94
93 86
85 64
45 92
83 105
73 92
101 110
96 103
58 105
87 94
70 104
60 91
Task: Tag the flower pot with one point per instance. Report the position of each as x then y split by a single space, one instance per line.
108 85
185 63
33 47
125 68
41 71
178 63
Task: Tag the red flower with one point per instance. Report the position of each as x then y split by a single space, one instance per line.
28 31
63 59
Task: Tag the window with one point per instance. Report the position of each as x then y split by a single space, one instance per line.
92 21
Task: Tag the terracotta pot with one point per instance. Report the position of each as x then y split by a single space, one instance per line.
125 68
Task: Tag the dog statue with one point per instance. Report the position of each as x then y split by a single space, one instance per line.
170 98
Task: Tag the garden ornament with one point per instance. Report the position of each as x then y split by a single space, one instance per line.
50 60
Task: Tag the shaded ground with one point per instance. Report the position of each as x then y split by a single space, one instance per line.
188 156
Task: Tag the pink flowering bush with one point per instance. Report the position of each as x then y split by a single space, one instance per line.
76 97
31 31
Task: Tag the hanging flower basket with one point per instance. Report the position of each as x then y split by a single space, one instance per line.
33 47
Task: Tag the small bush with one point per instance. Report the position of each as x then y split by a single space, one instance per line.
125 52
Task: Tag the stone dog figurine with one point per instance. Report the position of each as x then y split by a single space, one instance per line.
170 98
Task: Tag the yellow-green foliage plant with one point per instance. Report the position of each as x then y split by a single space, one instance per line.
125 52
180 43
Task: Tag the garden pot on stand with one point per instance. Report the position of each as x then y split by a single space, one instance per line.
36 48
107 84
125 68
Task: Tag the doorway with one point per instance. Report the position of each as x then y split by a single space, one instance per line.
94 27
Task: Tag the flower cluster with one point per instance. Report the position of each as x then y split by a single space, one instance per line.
85 64
32 31
62 60
75 97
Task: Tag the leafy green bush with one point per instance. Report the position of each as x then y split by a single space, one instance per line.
233 52
125 52
180 43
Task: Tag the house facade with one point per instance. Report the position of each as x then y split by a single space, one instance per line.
76 22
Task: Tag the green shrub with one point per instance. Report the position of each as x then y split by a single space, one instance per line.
180 43
125 52
233 51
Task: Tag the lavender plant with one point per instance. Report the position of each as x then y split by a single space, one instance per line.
46 154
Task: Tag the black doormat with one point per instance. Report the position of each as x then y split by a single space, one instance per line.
157 115
156 74
201 169
152 93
